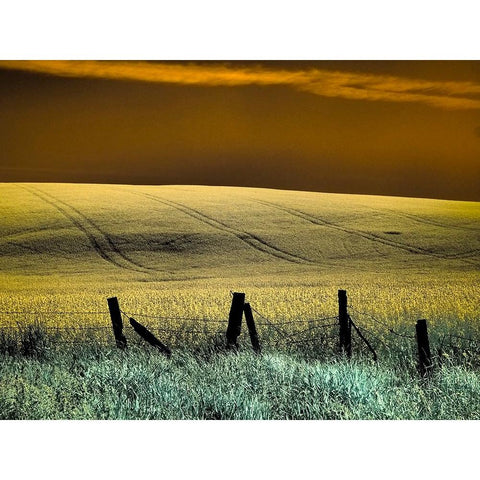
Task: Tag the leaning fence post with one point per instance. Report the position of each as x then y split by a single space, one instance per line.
235 319
117 324
425 358
251 328
344 322
150 337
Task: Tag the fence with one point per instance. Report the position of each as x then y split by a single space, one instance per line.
346 335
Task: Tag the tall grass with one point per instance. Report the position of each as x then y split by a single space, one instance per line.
92 381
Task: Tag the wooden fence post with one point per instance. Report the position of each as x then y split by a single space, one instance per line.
251 328
424 356
345 327
150 337
235 319
117 324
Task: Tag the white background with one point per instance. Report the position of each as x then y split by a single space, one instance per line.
230 30
247 29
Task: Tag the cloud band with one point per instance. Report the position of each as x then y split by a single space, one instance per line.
336 84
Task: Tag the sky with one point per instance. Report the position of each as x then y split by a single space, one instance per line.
408 128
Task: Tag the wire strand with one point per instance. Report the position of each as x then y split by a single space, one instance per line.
388 327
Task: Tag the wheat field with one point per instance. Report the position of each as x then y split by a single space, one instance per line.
179 250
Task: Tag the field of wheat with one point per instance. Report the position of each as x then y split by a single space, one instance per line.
178 252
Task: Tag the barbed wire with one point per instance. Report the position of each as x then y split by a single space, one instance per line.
385 325
370 333
281 327
96 327
82 342
270 323
162 317
466 339
471 341
467 350
311 340
22 328
296 322
315 327
166 329
367 343
54 312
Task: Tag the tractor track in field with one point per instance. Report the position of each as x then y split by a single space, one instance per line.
10 236
17 243
253 241
100 241
467 254
369 236
426 221
36 250
419 219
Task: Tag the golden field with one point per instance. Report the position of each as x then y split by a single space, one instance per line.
178 251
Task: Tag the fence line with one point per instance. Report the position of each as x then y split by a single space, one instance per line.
379 322
463 338
160 317
369 332
53 312
312 329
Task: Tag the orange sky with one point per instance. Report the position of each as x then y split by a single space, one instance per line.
393 128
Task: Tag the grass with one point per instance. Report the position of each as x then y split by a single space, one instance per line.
175 252
41 378
94 383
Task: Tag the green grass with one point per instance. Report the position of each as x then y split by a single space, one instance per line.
94 383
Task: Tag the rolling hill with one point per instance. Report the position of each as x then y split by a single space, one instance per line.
60 242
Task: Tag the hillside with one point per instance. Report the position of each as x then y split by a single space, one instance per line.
62 241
